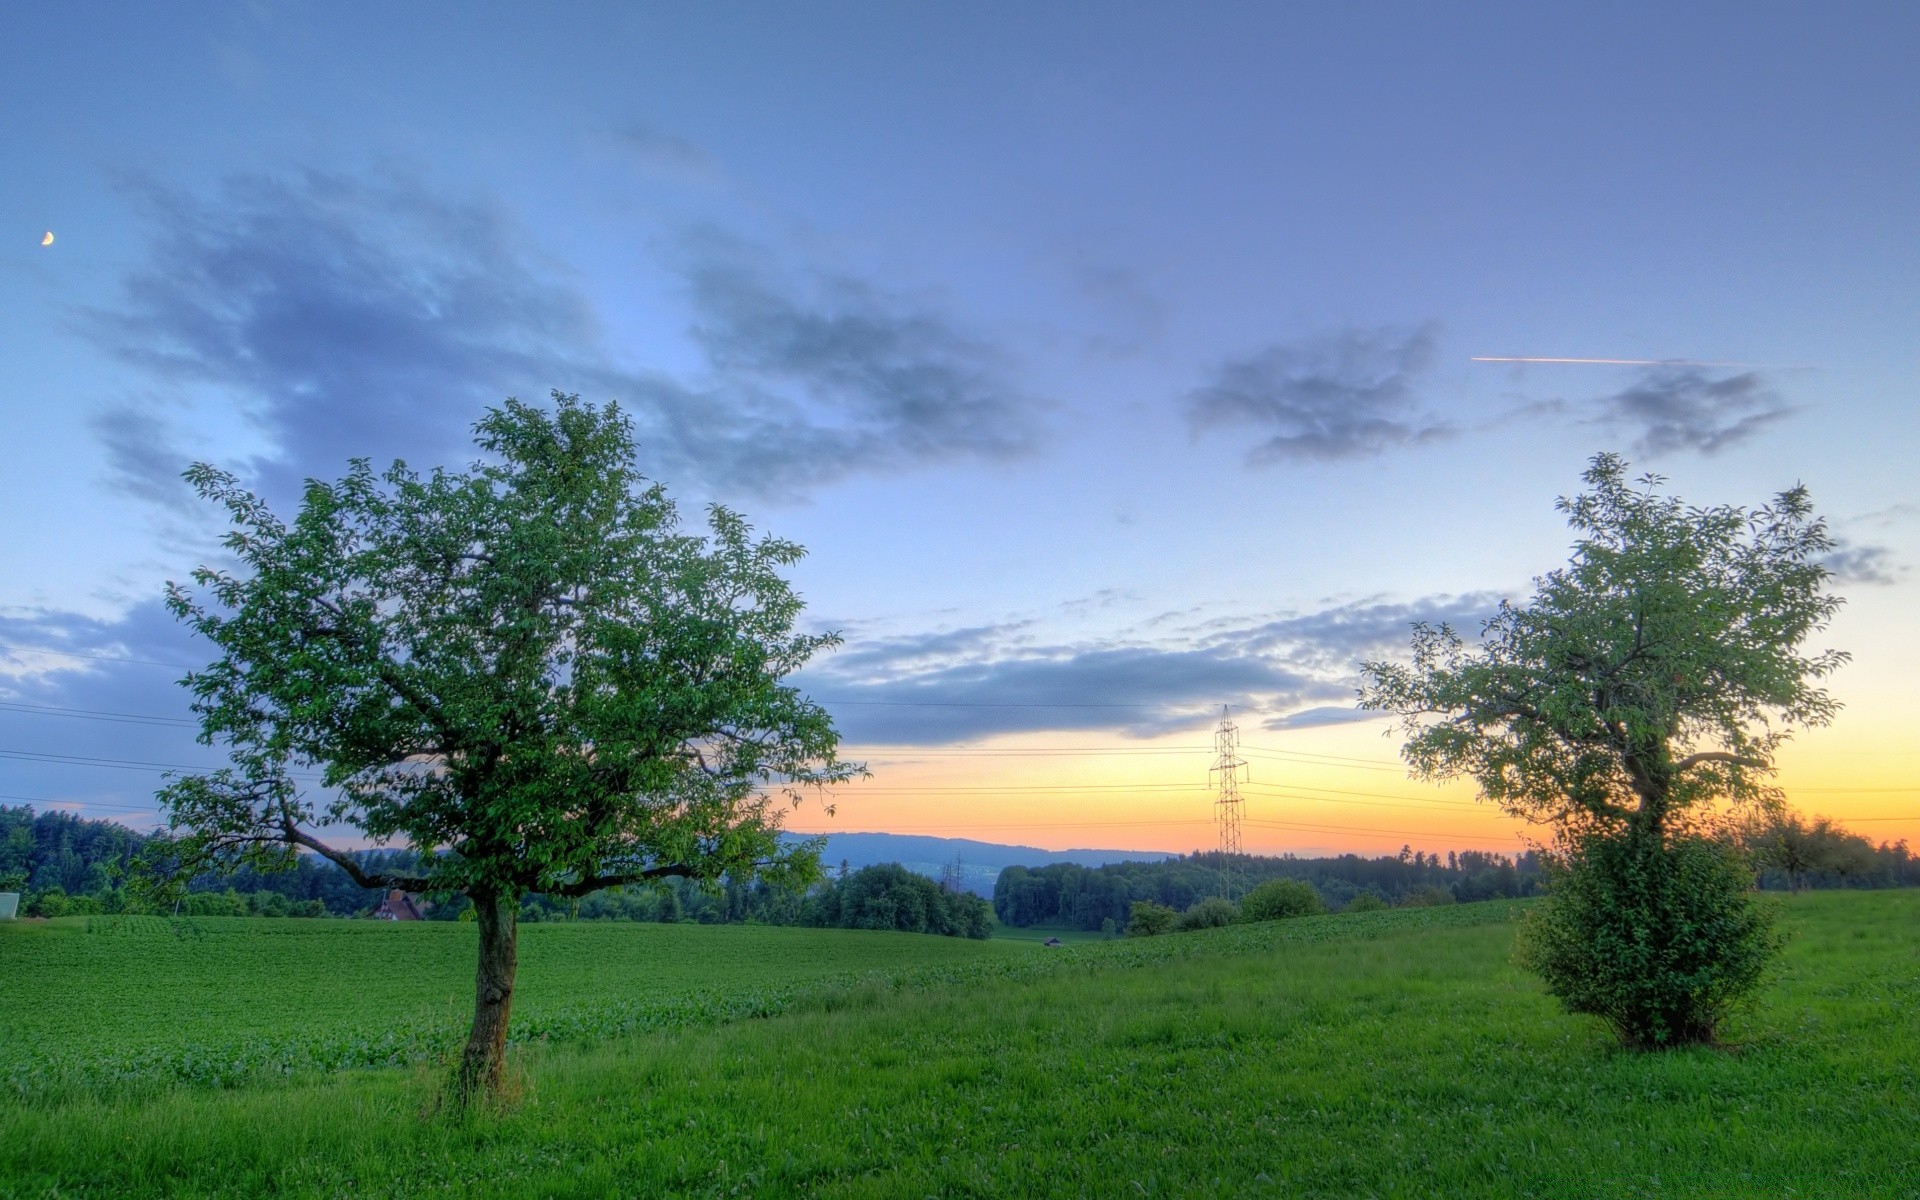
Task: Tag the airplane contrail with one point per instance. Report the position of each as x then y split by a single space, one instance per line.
1608 362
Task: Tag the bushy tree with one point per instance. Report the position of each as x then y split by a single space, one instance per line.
1366 902
1148 919
1427 895
1653 676
1279 898
526 671
1212 913
1660 946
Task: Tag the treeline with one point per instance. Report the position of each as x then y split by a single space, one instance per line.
67 866
1792 853
1787 852
1089 897
883 896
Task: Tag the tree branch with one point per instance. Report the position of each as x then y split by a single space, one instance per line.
406 883
594 883
1722 756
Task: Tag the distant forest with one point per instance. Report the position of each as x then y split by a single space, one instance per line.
66 865
1087 897
1789 853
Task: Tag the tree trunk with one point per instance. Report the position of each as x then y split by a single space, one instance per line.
498 918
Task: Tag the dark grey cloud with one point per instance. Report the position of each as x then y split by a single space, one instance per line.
1863 563
142 458
1685 408
984 680
1336 639
1343 395
354 317
1136 690
911 387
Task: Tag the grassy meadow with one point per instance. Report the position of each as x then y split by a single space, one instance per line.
127 1000
1381 1054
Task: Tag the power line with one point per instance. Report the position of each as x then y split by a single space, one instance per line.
121 764
89 714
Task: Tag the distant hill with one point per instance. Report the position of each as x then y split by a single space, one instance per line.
980 862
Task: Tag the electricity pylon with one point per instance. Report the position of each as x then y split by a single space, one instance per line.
1229 770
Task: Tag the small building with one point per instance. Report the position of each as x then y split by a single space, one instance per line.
1053 942
398 906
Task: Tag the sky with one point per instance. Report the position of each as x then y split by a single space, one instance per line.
1115 362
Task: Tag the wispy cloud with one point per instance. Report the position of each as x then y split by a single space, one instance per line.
1863 563
371 317
663 153
980 681
1684 408
911 387
1343 395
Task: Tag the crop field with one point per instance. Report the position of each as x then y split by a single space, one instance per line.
1381 1054
219 999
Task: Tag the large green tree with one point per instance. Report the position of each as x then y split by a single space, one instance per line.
1647 682
525 670
1658 671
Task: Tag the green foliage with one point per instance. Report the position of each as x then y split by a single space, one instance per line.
1428 1065
1792 851
1278 898
525 672
1661 942
1082 897
1660 669
888 896
1366 902
526 665
1212 913
1148 919
1427 896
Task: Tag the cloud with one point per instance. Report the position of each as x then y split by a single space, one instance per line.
142 459
1689 409
910 386
1320 718
104 671
982 681
1335 639
1343 395
349 317
663 153
1138 690
1862 563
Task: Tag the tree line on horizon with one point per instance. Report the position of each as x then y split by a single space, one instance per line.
73 866
65 865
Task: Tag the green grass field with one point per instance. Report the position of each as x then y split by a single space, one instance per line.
219 999
1386 1054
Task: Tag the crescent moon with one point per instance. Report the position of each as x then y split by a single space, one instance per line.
46 239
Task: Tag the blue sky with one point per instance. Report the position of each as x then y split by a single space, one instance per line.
1114 361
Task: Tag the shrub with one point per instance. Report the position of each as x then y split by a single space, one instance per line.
1366 902
1660 941
1211 913
1277 898
1147 919
1427 895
